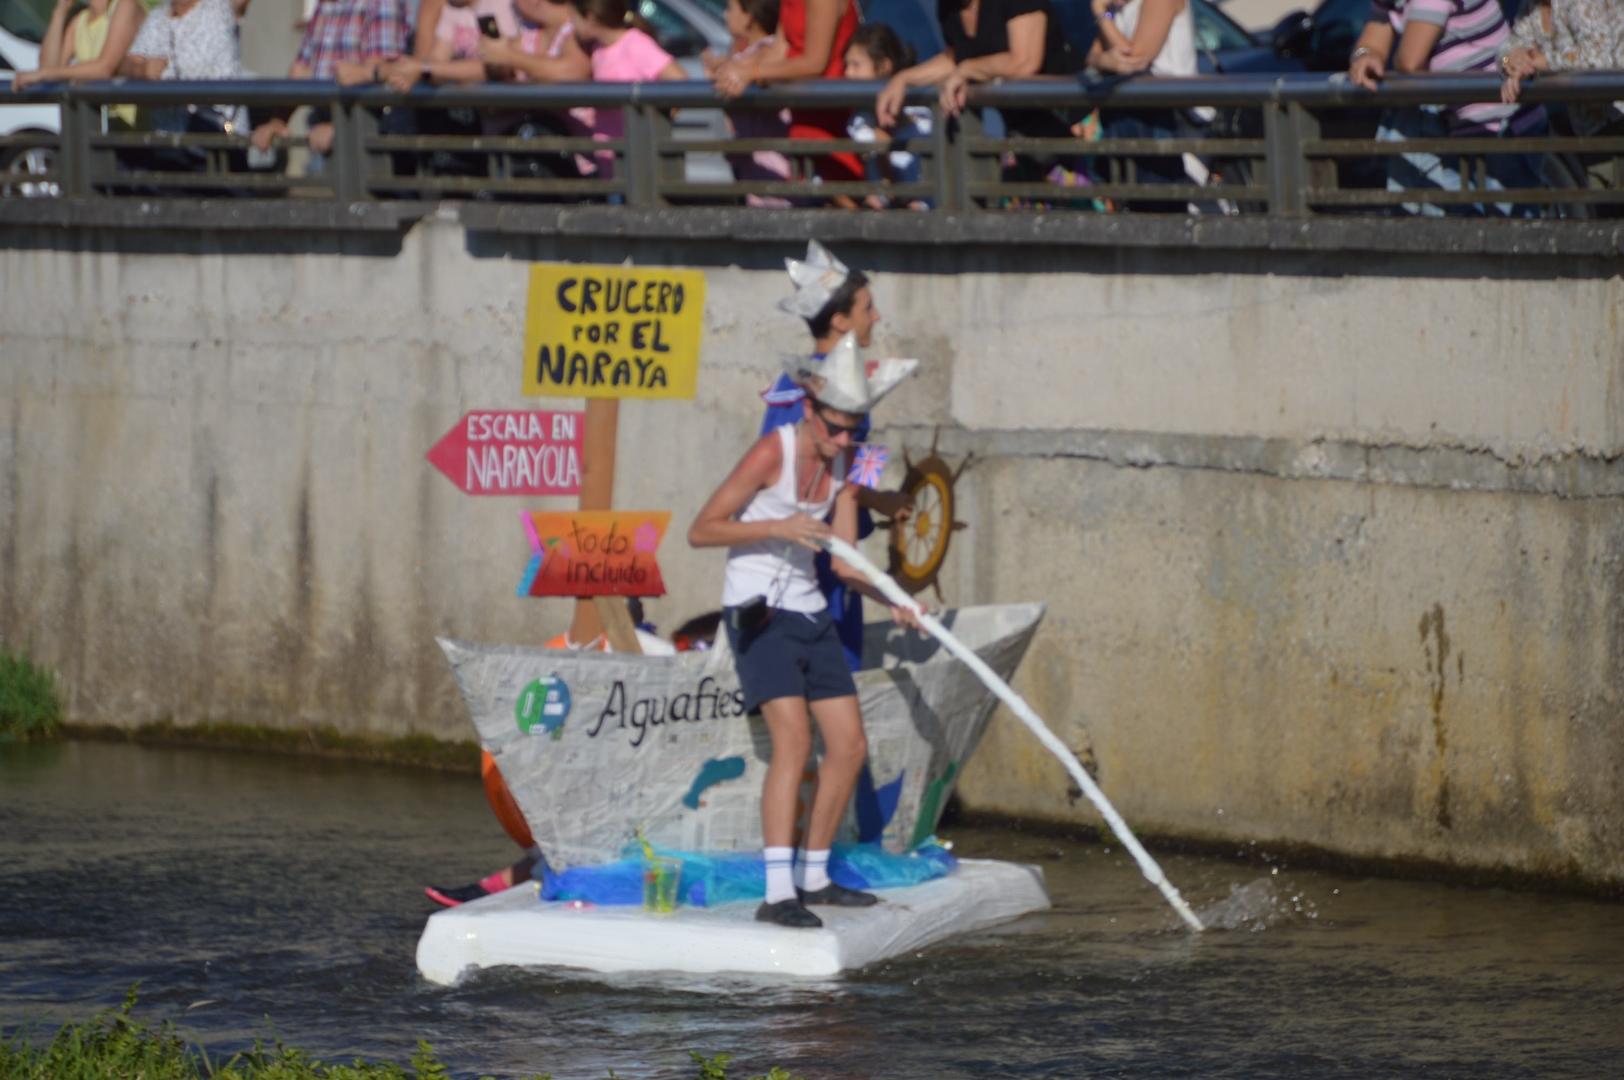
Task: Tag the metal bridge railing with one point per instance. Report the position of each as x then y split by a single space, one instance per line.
1284 145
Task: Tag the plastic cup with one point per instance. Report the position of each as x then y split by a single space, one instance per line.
660 877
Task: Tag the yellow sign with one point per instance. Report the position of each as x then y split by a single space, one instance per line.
613 331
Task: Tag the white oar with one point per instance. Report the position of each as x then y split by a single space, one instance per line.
1021 709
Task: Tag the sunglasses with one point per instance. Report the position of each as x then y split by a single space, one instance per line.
836 430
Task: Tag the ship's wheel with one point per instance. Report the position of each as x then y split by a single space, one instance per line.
920 541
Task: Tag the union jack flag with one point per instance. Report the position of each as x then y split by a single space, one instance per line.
867 466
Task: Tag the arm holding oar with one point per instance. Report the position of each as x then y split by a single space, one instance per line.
1017 705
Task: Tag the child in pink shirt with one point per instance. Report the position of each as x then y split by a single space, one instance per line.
621 52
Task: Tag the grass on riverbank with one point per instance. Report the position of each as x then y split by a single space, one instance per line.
30 708
117 1046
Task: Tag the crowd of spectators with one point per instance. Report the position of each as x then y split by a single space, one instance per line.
446 42
1419 36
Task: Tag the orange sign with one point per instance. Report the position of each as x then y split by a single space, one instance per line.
594 553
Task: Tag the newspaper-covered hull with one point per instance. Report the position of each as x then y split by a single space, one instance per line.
596 747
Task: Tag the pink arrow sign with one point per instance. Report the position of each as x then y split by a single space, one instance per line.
520 452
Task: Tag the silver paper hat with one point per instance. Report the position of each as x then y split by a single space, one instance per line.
842 381
816 281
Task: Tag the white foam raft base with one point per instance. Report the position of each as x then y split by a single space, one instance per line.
514 927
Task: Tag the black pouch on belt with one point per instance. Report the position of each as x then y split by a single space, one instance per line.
752 615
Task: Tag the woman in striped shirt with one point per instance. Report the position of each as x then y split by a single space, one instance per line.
1452 36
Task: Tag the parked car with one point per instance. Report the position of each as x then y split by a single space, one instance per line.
26 19
17 165
1321 40
685 28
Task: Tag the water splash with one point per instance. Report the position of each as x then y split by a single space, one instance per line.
1257 905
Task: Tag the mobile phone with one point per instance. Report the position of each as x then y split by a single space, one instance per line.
487 26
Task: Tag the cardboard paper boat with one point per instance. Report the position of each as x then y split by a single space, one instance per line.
598 748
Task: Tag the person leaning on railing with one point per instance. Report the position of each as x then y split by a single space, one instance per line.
1571 35
1453 36
877 52
89 47
546 51
814 36
1156 36
987 40
454 56
452 59
623 51
188 40
346 41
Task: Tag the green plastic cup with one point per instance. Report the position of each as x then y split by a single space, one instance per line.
660 877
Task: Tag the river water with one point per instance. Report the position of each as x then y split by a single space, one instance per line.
260 897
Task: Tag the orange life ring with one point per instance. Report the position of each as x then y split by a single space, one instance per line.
502 804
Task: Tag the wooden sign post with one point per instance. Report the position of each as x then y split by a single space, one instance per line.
598 493
604 333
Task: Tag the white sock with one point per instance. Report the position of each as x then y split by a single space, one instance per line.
815 870
780 873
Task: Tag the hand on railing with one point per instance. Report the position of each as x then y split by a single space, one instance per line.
321 138
403 73
1517 65
888 104
1366 68
735 77
274 128
955 94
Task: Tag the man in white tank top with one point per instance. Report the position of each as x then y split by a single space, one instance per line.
769 513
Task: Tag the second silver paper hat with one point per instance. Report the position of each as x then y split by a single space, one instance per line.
816 280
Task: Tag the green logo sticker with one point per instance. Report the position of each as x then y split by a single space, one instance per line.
543 707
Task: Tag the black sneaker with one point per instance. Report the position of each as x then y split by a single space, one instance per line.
788 913
834 895
454 897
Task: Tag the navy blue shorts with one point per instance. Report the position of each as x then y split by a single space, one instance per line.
792 655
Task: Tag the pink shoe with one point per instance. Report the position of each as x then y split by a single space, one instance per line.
454 897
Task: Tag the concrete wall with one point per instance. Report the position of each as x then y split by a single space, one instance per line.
1331 545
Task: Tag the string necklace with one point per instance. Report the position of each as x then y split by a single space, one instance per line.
803 503
803 495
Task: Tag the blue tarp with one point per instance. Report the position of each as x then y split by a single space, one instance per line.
717 878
